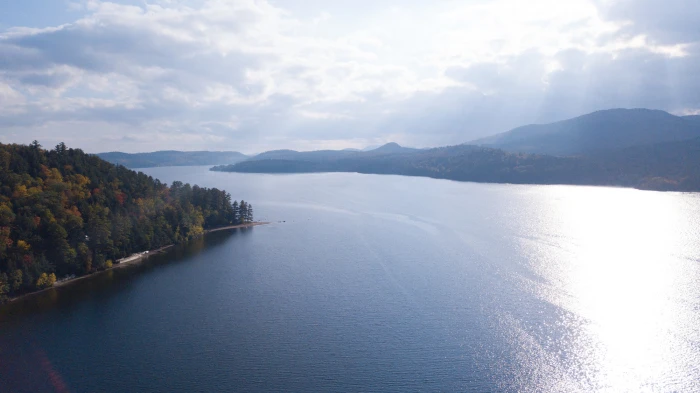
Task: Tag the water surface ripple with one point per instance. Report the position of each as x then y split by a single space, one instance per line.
386 283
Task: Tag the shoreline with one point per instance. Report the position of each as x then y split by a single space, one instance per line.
248 225
133 259
544 184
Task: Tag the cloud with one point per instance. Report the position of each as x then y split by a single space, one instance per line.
253 75
669 21
10 99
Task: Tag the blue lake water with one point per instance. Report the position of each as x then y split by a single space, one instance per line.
386 283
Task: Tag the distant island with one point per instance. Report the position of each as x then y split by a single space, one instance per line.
638 148
172 158
67 213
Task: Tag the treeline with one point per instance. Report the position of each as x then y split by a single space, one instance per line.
65 212
242 212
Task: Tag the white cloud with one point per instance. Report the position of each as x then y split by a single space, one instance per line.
11 101
668 21
688 112
323 115
252 75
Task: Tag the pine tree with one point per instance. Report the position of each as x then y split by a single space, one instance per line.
250 213
236 213
61 148
243 212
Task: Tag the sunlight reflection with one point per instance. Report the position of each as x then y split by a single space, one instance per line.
622 261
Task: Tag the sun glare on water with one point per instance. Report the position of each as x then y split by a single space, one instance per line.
624 263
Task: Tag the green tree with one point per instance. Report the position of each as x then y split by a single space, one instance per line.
4 287
61 148
243 212
236 213
85 258
16 280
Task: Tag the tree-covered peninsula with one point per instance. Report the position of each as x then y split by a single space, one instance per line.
64 212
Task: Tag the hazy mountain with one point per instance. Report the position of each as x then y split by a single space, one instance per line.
392 147
316 155
693 118
462 162
602 130
275 154
661 166
173 158
330 155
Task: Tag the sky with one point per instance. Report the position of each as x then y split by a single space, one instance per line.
256 75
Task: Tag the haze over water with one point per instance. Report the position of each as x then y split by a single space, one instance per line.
386 283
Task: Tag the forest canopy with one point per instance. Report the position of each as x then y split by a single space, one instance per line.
64 212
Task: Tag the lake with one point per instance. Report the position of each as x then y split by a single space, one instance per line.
386 283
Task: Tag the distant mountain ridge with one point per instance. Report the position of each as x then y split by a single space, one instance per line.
392 147
330 155
597 131
172 158
664 166
693 118
638 148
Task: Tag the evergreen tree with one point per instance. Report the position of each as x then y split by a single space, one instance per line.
243 212
60 148
236 213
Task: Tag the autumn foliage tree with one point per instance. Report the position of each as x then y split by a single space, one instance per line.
63 212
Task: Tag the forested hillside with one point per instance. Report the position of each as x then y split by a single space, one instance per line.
462 162
64 212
